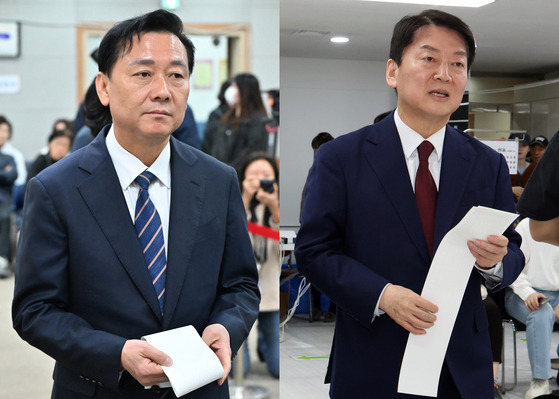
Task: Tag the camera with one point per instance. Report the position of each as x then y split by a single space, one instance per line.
267 185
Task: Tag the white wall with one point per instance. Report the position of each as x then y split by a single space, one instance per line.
47 66
337 96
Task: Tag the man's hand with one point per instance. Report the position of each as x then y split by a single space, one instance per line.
144 362
408 309
489 253
217 338
533 301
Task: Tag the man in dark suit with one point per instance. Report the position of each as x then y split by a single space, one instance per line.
83 292
367 235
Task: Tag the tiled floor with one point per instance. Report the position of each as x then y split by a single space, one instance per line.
306 346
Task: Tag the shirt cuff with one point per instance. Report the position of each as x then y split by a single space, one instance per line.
493 277
378 310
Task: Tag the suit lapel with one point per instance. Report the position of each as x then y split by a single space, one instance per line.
187 195
385 155
457 163
113 216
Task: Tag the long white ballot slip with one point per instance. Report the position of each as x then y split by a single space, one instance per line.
194 363
445 285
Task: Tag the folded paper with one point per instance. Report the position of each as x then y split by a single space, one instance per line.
194 363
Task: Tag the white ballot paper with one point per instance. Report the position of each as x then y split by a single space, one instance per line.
445 285
194 363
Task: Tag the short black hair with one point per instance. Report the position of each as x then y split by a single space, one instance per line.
56 133
4 120
380 117
96 115
404 32
321 138
119 39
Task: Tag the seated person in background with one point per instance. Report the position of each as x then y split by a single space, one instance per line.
59 144
7 148
538 281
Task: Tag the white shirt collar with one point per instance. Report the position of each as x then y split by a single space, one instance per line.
411 139
128 167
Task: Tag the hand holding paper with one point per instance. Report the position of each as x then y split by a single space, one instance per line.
489 253
424 355
217 338
194 363
143 362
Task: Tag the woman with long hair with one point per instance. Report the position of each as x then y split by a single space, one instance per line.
242 130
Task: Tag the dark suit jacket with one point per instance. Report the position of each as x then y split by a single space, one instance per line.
361 230
82 284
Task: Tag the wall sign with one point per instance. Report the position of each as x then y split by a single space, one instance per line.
9 39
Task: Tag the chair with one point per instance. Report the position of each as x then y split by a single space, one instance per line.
516 326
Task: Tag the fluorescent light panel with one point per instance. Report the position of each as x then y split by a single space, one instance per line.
450 3
339 39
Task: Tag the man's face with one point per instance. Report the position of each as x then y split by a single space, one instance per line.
431 78
4 133
536 152
148 89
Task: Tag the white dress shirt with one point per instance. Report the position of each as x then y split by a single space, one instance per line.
128 167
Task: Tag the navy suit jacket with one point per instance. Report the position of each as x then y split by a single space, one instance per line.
82 285
361 230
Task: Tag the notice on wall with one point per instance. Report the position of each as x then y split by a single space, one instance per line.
509 149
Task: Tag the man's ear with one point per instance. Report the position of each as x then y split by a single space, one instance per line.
102 85
392 73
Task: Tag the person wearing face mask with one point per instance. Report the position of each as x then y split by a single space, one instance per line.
242 130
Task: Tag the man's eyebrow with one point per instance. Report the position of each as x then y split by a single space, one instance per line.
179 63
152 62
142 62
431 48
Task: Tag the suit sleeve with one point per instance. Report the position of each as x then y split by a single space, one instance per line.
238 297
42 296
321 242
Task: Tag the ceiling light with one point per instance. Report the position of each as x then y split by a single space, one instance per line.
450 3
339 39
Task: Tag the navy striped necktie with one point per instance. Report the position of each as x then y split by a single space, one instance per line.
150 232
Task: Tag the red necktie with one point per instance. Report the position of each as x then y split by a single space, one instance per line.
426 193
